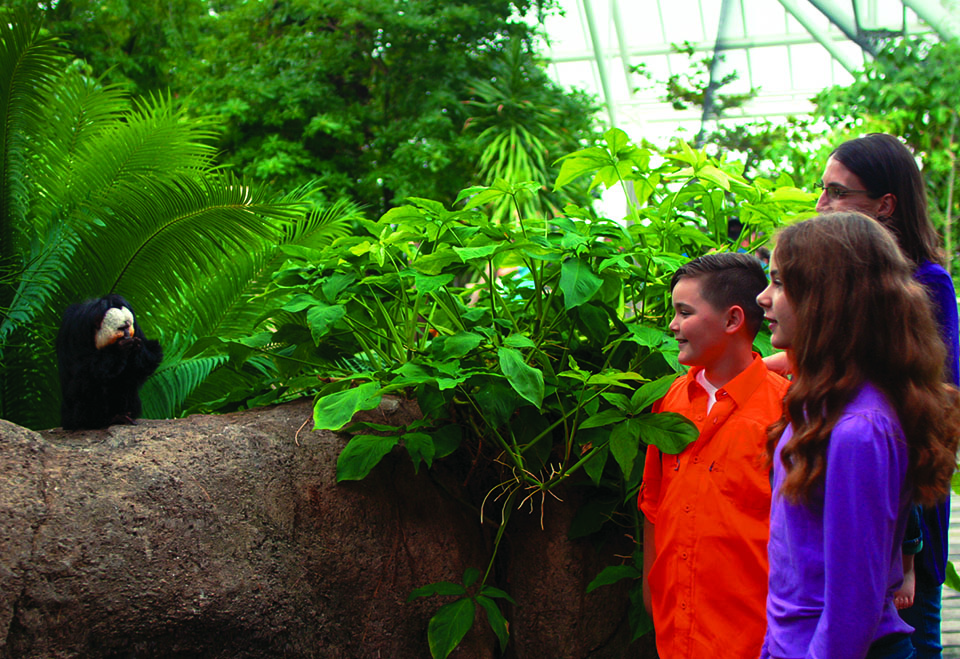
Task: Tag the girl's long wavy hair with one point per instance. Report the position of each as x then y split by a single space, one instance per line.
861 317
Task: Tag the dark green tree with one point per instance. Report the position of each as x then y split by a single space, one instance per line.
136 44
366 96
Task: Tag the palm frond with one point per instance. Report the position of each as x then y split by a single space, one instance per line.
64 148
237 303
39 282
225 389
29 64
100 195
167 389
170 240
89 155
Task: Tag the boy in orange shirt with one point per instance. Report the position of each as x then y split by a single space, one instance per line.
707 509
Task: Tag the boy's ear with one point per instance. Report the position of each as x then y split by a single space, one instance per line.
735 319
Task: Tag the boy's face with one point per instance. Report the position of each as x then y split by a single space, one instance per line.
697 325
777 309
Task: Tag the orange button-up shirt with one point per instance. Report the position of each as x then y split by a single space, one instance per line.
710 507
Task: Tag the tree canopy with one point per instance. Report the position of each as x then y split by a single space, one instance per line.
369 97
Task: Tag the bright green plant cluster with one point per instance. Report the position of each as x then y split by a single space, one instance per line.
541 340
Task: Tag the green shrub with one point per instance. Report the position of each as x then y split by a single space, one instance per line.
544 338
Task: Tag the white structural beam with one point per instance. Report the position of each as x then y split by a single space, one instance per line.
799 13
718 65
944 23
652 50
621 43
846 22
600 61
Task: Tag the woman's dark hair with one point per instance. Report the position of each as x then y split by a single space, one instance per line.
861 317
886 166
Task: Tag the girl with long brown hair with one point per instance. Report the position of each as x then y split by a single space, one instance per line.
868 430
878 175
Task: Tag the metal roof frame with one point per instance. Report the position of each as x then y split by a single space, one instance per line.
846 32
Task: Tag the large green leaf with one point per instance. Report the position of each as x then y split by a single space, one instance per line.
525 380
456 345
625 444
497 622
420 447
583 162
322 318
612 574
334 411
953 579
437 588
578 282
497 402
448 627
640 621
650 393
604 418
668 431
361 454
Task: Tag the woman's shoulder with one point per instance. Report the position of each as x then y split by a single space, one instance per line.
868 412
932 274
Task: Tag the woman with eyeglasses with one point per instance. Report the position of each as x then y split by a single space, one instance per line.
878 175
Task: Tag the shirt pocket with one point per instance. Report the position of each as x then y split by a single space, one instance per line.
741 474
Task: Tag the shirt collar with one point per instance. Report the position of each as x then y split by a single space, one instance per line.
739 388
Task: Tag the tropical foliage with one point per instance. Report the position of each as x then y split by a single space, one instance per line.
520 126
543 370
530 331
368 97
100 194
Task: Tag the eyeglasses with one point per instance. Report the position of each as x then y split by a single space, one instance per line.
838 191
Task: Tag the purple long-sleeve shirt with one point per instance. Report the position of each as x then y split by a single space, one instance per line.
935 521
835 560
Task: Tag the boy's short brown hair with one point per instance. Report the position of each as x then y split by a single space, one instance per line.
728 279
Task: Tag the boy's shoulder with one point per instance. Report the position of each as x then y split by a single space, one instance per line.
767 388
764 404
679 385
776 382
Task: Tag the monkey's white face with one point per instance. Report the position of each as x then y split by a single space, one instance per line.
116 324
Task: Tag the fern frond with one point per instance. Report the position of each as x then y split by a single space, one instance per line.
29 65
166 390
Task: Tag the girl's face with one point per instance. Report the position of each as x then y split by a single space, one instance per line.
777 309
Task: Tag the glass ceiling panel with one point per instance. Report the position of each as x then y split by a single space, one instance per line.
787 49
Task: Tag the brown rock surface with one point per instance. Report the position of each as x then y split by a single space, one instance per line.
228 536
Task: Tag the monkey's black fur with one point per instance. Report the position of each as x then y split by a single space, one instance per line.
101 387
